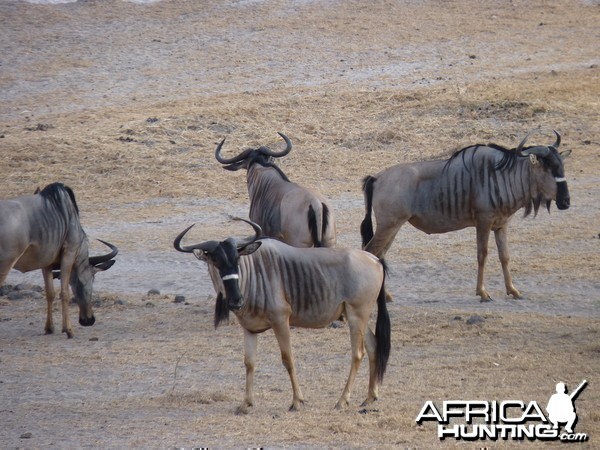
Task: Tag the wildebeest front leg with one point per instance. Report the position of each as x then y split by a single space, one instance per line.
50 295
250 344
65 276
282 333
483 237
502 244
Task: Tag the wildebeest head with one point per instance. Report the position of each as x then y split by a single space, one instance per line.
224 256
82 278
551 176
262 155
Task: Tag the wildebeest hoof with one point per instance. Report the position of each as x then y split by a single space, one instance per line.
341 404
368 402
242 410
516 294
296 406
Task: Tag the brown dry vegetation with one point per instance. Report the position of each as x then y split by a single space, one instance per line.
125 103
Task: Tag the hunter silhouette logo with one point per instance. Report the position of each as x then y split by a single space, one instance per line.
510 419
561 408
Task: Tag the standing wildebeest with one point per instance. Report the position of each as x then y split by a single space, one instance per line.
269 284
42 231
480 186
284 210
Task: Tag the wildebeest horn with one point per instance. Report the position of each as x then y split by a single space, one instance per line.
235 159
204 246
557 143
540 150
519 150
95 260
288 148
240 243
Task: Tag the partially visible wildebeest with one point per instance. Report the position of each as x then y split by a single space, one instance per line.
284 210
480 186
269 284
42 231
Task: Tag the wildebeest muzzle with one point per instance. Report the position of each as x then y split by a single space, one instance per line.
235 299
87 321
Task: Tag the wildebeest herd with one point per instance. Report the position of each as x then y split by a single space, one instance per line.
288 273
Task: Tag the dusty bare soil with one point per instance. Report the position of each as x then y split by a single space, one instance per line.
125 102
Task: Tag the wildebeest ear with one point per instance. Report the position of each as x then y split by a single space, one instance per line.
103 266
200 254
250 248
565 154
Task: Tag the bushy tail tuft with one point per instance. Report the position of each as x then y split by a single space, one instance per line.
366 227
382 331
325 225
313 227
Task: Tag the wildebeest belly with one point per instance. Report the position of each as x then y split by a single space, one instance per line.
317 315
33 258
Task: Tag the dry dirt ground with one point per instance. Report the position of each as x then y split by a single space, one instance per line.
125 102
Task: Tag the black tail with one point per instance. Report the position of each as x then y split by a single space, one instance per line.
382 331
312 226
325 220
366 227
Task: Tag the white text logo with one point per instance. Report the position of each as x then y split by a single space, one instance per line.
510 419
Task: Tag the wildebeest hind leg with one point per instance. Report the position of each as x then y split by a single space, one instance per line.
382 241
483 236
371 346
357 326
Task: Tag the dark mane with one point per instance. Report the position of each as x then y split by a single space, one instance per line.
257 157
53 193
509 156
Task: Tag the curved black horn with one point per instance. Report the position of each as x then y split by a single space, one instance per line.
250 239
235 159
288 148
519 150
95 260
209 245
557 143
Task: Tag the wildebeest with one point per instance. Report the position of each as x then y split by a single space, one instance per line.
283 209
269 284
480 186
42 231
